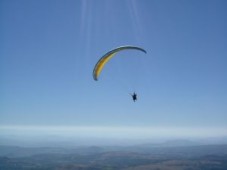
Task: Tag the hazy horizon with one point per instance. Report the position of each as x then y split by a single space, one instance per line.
99 135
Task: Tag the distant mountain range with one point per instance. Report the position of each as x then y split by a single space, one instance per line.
58 141
142 157
167 148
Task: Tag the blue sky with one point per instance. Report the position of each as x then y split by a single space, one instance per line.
48 50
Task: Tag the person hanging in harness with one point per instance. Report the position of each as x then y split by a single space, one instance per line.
134 96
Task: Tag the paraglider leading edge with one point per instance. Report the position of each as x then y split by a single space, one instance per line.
104 59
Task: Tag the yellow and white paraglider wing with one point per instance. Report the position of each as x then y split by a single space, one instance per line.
103 60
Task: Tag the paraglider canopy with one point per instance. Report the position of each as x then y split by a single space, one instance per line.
105 58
